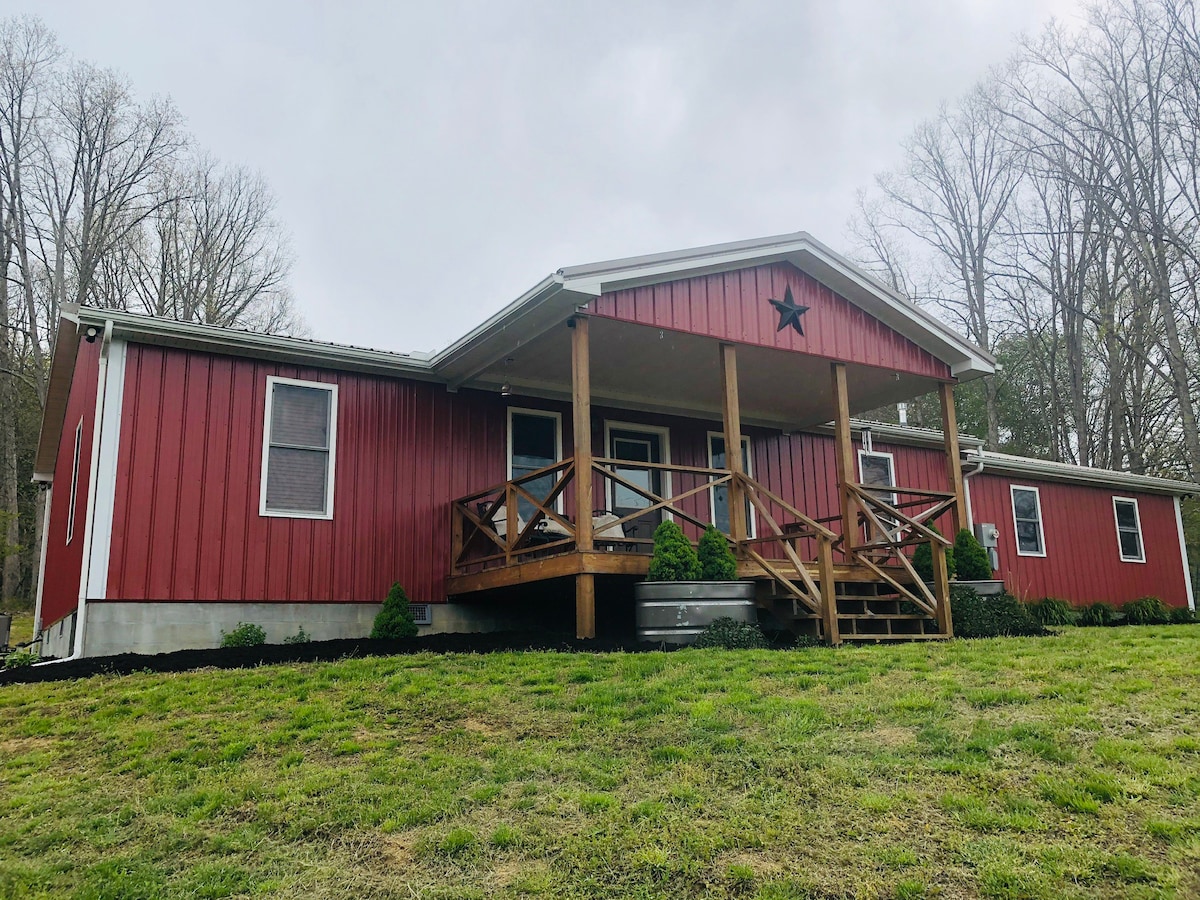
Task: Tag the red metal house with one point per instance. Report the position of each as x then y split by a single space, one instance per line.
203 476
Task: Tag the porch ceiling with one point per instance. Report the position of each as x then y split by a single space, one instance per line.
639 366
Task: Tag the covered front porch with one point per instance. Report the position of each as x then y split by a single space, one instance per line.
841 576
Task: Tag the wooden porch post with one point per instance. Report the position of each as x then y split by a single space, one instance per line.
732 421
581 404
958 517
844 455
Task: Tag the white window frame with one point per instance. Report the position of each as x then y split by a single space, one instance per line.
73 502
332 388
891 458
665 433
752 521
558 441
1012 489
1137 517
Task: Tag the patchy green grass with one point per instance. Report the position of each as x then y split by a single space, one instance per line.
1016 768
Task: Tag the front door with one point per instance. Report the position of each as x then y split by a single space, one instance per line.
632 446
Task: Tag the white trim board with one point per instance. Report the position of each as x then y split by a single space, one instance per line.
1183 554
105 487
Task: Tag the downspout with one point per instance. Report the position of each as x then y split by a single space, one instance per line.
90 522
967 476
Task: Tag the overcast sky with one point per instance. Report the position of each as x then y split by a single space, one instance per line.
434 160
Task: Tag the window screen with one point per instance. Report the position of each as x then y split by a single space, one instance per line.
1027 519
1129 530
300 443
877 471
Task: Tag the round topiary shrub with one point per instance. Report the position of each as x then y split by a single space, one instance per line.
674 557
1147 611
970 559
1099 615
717 562
395 620
922 560
728 634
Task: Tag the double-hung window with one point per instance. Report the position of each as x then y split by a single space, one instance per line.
1129 529
299 438
534 442
1027 521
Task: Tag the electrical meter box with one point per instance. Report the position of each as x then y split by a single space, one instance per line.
988 536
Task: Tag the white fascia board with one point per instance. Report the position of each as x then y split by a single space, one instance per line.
104 487
1183 554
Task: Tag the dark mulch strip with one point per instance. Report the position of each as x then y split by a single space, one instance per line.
317 651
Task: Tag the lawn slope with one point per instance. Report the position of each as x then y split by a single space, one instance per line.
1060 767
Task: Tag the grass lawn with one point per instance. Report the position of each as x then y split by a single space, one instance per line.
1059 767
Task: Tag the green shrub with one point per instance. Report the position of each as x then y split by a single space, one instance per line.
674 557
1181 615
970 559
922 560
717 562
20 659
1099 614
975 616
395 620
1051 611
247 634
727 634
300 637
1146 611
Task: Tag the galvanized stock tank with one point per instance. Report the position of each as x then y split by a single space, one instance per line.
675 612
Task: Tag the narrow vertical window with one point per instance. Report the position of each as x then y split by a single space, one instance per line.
877 471
720 493
534 442
298 449
1129 529
74 481
1027 521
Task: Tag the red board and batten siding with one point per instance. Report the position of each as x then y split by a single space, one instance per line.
64 562
733 306
1082 562
186 524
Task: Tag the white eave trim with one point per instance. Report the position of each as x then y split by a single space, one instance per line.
1055 471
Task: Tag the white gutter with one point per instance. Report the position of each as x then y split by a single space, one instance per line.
1187 569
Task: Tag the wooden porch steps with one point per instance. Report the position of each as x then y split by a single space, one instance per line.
868 611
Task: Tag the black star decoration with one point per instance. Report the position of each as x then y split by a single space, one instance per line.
789 312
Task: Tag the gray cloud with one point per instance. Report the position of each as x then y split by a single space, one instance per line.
434 160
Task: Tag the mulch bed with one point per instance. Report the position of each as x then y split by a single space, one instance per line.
317 651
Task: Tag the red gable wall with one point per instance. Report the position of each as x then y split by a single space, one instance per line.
733 306
64 562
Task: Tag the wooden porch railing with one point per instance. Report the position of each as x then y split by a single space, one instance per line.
887 529
488 531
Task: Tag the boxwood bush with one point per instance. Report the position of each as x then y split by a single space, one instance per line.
728 634
977 617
